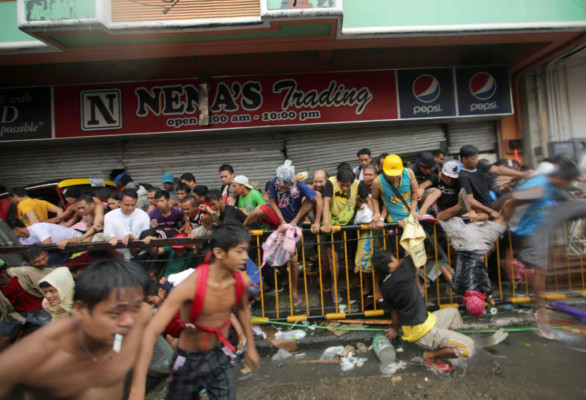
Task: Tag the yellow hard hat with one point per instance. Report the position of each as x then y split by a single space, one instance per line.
393 165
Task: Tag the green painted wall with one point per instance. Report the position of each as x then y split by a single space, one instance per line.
392 13
288 4
9 31
101 40
54 10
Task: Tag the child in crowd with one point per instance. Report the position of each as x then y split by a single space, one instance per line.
58 288
207 297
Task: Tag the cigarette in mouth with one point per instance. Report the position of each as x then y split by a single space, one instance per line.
117 343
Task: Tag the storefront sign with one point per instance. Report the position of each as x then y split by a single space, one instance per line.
483 91
254 101
25 113
426 93
246 102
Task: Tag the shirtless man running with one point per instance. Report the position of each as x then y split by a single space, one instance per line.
87 355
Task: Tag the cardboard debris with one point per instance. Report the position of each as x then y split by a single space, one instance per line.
395 379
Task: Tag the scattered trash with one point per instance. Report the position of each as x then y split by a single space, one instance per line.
370 347
299 355
527 344
361 348
308 325
332 352
426 379
395 379
349 350
245 370
496 338
342 308
258 331
399 349
392 368
295 334
281 355
280 365
348 363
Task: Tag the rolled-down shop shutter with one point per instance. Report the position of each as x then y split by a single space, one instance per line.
481 134
24 164
326 149
255 155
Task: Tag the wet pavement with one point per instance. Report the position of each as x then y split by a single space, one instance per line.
524 366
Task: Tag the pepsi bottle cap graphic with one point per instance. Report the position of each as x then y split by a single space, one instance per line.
482 86
426 88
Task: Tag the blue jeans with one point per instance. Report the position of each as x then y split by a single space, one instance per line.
11 327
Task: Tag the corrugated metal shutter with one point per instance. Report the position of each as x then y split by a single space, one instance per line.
255 155
326 149
31 163
481 134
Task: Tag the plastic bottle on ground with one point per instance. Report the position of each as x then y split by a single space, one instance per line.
384 350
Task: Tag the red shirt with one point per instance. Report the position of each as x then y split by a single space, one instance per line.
20 299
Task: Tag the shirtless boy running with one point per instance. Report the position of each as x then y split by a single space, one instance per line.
205 300
87 355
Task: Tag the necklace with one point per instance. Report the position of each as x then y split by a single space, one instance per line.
91 355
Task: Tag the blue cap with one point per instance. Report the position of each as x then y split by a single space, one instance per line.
168 178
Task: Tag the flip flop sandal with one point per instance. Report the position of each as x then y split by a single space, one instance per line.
338 300
298 302
440 366
242 346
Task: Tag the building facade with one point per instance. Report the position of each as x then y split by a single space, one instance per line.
155 86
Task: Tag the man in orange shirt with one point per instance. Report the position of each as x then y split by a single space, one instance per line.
32 211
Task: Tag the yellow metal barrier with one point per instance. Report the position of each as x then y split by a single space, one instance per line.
329 266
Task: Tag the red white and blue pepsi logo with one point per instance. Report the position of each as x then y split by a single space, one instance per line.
426 88
482 86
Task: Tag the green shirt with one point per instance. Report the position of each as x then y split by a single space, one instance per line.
250 202
175 264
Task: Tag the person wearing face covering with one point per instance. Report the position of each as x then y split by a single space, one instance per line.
58 288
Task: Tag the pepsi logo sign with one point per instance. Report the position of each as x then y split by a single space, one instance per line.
426 88
482 86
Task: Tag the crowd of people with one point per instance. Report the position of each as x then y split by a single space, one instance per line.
132 299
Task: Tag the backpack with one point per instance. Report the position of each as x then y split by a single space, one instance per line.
279 248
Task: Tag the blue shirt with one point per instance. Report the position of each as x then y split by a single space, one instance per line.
289 202
535 213
395 207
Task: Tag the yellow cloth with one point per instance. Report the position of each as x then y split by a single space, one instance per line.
412 241
343 204
414 333
62 280
39 207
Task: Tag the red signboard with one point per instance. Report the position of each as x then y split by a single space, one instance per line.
240 102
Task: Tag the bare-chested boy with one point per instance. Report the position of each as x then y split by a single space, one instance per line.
205 304
76 357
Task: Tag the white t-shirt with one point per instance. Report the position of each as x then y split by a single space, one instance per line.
118 225
42 230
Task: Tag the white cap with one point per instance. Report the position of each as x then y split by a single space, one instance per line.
242 180
451 169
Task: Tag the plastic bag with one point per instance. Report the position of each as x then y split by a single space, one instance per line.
364 215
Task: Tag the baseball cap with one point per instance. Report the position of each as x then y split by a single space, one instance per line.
474 302
393 165
168 178
242 180
426 160
451 169
180 246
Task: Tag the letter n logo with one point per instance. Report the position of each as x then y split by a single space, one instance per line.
101 109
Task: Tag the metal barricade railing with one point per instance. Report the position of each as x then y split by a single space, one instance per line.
565 273
317 304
